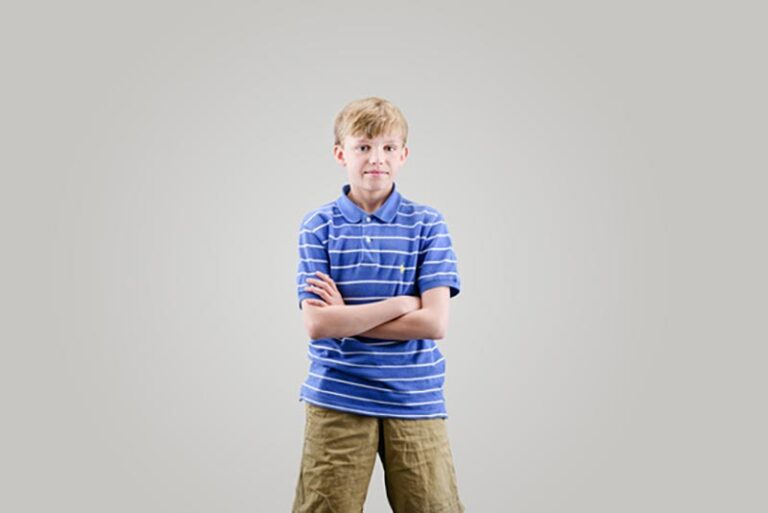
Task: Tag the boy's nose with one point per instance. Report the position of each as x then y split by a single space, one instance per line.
374 159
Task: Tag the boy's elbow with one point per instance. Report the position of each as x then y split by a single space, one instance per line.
441 323
320 325
315 329
439 329
312 329
312 323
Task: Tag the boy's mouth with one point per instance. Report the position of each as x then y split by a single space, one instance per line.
376 172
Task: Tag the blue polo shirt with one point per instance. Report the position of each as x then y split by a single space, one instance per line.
403 248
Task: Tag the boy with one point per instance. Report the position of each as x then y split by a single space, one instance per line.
376 272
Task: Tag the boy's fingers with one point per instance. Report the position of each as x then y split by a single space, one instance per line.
324 277
317 283
328 285
327 279
320 292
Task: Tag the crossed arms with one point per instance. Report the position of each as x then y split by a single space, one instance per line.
395 318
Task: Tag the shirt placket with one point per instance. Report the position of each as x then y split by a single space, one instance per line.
368 243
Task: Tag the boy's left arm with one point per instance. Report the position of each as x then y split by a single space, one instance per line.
430 321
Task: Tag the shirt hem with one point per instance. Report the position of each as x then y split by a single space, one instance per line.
366 413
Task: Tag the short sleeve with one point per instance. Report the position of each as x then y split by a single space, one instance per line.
437 260
313 256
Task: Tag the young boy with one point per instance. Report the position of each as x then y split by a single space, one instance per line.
375 275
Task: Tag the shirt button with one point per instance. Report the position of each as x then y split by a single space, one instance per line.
367 218
367 239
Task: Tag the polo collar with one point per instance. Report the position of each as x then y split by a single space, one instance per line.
386 212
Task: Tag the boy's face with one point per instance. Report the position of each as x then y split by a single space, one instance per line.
372 164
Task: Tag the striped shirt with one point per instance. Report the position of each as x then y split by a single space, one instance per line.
403 248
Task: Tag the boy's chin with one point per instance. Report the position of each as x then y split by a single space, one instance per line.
374 179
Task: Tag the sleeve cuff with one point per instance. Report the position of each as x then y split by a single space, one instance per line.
453 285
307 295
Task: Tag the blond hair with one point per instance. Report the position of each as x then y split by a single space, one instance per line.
370 117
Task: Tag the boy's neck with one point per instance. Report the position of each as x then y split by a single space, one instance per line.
369 201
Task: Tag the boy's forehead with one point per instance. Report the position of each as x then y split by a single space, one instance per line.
387 138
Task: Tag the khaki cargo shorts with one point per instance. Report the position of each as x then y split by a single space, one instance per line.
339 453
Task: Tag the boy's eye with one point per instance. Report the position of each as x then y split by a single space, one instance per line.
365 147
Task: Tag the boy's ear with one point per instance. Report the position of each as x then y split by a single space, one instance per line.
338 154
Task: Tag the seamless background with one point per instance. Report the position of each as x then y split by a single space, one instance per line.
601 167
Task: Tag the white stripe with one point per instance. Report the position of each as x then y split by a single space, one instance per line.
436 274
393 237
321 210
311 246
423 403
433 376
310 273
450 248
373 413
386 353
313 260
311 217
352 266
313 230
357 282
385 251
392 225
407 366
417 213
320 376
425 262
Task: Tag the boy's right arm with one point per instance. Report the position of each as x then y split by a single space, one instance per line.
338 321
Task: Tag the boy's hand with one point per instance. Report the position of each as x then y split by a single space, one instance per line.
326 288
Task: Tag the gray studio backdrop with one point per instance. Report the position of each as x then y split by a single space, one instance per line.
598 167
